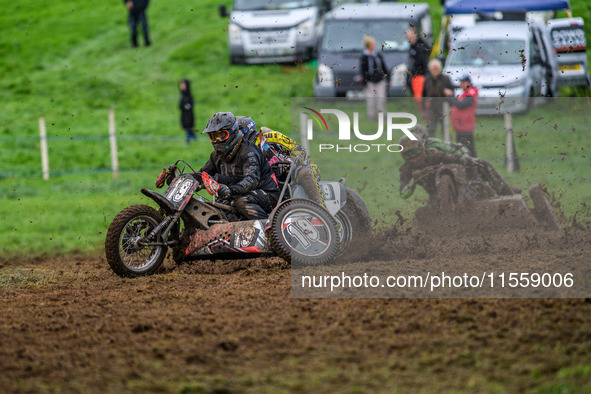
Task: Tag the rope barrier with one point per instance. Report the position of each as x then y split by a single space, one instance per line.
95 138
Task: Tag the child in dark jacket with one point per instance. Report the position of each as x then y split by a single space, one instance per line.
186 107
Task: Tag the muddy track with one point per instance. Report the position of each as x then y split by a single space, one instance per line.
70 324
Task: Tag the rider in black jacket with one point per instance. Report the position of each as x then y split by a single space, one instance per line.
240 168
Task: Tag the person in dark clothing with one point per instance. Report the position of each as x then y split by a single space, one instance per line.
240 168
374 74
463 113
435 87
186 107
426 152
137 15
418 57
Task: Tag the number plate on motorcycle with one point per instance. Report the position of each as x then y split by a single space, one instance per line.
180 191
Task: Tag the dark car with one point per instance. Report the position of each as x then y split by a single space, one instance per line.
342 44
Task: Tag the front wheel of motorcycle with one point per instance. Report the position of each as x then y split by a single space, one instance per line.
304 233
124 246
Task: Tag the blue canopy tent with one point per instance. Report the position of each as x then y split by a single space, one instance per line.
479 6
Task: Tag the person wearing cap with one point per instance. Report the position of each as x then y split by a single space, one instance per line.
240 168
463 113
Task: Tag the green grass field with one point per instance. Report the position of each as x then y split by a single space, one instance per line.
70 63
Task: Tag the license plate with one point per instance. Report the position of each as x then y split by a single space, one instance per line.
570 67
272 52
180 191
355 94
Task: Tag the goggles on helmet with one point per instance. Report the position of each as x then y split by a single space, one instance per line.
219 136
411 153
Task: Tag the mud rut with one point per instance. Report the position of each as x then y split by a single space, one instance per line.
69 324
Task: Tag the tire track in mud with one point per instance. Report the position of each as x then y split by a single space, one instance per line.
232 326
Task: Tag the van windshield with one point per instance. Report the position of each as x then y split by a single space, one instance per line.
487 52
347 36
261 5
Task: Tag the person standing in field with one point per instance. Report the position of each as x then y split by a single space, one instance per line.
418 57
137 15
374 73
463 113
434 90
186 107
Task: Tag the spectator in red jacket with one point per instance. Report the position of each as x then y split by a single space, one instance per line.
463 113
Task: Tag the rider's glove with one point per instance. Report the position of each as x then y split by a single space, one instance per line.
224 191
197 176
408 189
171 174
169 178
278 170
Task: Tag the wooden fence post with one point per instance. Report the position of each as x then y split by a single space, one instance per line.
509 142
113 143
446 115
44 151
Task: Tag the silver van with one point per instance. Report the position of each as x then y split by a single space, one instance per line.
510 62
267 31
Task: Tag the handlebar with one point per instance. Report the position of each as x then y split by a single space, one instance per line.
286 162
183 161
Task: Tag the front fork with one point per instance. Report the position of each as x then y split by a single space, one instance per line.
166 224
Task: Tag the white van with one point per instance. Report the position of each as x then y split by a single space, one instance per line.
510 62
570 45
268 31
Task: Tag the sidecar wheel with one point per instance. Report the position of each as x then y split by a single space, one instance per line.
354 222
358 213
304 233
125 254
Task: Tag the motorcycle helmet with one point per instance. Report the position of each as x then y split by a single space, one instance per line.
248 128
222 130
420 132
410 148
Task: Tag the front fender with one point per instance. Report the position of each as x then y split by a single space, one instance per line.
159 199
456 172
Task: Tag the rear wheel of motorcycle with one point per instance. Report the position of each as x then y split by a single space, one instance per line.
446 195
125 253
304 233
